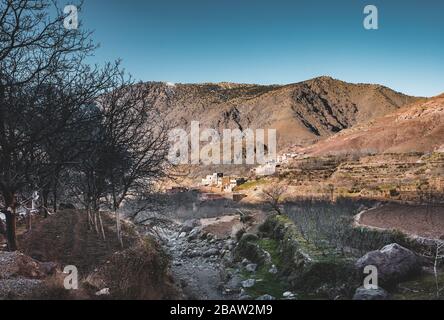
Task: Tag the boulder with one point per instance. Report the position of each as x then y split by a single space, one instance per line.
189 225
16 264
194 234
252 267
22 277
103 292
273 270
370 294
248 283
393 262
211 252
288 295
234 283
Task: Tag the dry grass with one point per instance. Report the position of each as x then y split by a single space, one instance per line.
137 271
66 238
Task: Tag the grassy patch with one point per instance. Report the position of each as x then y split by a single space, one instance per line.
266 282
422 288
315 271
251 185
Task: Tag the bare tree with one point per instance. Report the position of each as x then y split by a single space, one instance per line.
439 255
274 194
60 117
128 150
43 81
2 227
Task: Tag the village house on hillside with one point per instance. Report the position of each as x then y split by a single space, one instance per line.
225 183
271 167
212 180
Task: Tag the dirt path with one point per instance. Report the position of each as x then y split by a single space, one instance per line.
65 238
415 220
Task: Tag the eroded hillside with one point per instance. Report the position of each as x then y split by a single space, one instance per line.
418 127
302 113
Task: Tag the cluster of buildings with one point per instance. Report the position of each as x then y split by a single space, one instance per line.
270 168
225 183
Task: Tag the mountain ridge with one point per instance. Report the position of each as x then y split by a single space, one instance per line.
417 127
302 113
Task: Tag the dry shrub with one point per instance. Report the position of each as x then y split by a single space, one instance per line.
53 289
138 273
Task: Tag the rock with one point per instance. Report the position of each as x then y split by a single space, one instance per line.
249 237
189 225
182 235
393 262
248 283
266 297
288 294
203 236
247 248
252 267
103 292
237 231
273 270
49 268
229 243
210 236
370 294
211 252
245 262
194 254
194 234
234 283
16 264
22 277
20 288
245 297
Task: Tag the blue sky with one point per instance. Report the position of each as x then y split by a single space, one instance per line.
273 42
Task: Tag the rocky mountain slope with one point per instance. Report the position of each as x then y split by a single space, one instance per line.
418 127
302 113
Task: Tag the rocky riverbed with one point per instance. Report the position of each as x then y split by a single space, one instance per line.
208 265
199 260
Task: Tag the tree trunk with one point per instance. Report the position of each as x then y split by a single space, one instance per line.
54 195
2 228
28 221
11 227
11 219
101 226
45 196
